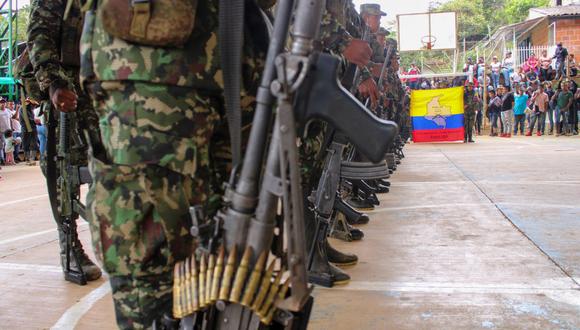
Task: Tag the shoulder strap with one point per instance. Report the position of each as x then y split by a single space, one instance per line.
230 36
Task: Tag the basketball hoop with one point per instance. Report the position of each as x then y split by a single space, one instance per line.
428 41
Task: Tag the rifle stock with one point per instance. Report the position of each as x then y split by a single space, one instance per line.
322 97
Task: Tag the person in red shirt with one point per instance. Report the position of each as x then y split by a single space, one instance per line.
412 71
532 64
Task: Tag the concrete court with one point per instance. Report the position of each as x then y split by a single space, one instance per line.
479 236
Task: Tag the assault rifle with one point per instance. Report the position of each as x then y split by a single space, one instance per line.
230 284
64 179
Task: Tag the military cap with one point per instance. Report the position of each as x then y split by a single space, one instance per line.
371 9
383 32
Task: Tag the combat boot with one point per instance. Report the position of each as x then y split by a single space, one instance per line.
382 189
384 182
338 258
92 272
360 204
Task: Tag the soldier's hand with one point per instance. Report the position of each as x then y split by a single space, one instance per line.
368 88
64 99
358 52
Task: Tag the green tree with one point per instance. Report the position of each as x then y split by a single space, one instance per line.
517 10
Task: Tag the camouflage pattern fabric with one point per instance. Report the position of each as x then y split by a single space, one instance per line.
166 148
53 45
470 106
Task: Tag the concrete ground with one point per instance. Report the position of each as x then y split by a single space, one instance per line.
485 235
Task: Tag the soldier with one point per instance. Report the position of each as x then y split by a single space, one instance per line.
471 102
53 43
165 146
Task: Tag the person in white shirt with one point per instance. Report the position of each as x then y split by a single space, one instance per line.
5 124
495 71
507 68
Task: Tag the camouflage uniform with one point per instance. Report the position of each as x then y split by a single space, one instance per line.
166 147
470 107
53 46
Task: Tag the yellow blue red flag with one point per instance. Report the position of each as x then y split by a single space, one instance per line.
437 114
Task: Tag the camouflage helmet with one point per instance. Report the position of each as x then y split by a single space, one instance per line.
371 9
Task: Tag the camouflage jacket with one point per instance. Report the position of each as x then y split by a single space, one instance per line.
196 64
471 103
338 18
53 43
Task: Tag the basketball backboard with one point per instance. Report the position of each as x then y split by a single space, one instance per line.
426 31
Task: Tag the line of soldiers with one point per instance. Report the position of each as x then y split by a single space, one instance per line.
157 134
363 44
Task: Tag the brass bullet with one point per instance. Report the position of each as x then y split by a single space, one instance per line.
241 275
208 278
217 275
193 284
264 286
202 270
254 280
228 274
271 294
177 313
187 309
281 296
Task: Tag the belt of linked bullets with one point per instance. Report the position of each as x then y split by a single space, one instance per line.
199 284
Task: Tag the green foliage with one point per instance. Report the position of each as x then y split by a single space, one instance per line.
517 10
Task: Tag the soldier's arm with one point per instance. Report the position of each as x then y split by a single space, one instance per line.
43 43
333 35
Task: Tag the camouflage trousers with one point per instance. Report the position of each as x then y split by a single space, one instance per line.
166 148
468 124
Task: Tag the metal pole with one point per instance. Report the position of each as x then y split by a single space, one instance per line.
515 54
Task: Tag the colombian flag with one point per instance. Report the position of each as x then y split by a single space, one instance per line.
437 114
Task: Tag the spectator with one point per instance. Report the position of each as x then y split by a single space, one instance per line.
540 102
507 106
531 64
545 66
480 68
531 77
16 129
9 143
471 69
551 107
507 69
520 106
572 65
495 71
5 124
39 119
573 117
517 77
494 110
414 70
563 99
29 136
561 54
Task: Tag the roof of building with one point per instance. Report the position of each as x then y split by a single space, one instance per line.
569 10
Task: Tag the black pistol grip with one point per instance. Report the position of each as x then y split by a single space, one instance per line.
322 97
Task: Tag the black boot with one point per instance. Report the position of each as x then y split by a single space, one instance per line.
342 230
77 256
360 204
384 182
338 258
382 189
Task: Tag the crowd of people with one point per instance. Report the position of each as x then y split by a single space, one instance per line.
22 132
520 99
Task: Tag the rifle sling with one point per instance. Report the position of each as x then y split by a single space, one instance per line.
230 42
